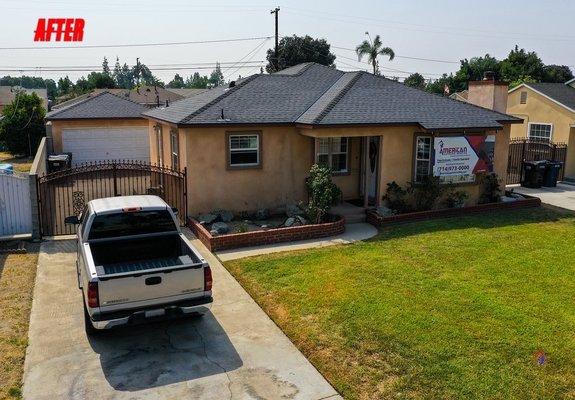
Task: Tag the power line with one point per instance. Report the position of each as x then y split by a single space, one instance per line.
198 64
92 69
93 46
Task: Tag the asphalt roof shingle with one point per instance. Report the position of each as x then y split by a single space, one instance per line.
315 94
102 105
559 92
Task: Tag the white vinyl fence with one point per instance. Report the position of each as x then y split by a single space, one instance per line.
15 207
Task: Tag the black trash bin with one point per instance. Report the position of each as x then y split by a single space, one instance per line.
552 169
533 173
59 162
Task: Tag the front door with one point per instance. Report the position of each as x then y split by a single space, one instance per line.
373 168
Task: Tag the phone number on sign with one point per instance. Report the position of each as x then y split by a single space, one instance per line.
453 168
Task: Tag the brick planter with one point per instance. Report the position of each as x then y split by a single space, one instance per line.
379 221
271 236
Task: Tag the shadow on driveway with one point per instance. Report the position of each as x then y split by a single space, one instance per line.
158 354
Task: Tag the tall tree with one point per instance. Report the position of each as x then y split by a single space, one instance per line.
415 80
177 82
23 124
521 63
99 80
216 77
373 49
65 85
295 50
106 67
197 81
557 73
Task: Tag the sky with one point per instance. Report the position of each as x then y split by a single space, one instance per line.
429 37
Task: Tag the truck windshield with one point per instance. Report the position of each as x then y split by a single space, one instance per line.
131 223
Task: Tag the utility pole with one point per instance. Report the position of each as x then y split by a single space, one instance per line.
137 72
276 52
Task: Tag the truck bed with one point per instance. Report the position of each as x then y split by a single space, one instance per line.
141 254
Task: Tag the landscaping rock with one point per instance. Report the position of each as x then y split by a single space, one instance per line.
224 215
384 211
220 227
293 210
507 199
301 220
262 214
207 218
290 221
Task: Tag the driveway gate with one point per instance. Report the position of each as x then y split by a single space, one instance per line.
533 150
64 193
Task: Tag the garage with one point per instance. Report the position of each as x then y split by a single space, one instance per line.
100 127
97 144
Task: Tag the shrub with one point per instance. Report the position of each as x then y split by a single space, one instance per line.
322 192
426 193
396 198
490 189
22 127
455 198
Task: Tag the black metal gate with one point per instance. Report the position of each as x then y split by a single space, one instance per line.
533 150
64 193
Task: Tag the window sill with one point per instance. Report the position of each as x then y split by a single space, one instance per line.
243 167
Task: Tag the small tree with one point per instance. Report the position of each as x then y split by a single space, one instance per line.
372 50
415 80
294 50
323 193
23 124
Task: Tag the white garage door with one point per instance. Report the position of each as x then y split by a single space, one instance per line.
99 144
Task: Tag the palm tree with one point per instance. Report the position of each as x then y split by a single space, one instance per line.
372 49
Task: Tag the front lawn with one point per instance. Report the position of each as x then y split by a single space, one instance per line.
21 164
17 274
474 307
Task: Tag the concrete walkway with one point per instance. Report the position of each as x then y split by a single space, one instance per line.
562 196
353 233
234 352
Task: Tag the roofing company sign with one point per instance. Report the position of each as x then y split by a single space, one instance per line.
458 158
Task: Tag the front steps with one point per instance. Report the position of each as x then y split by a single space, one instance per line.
351 213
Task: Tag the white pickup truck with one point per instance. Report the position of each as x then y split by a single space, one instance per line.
135 265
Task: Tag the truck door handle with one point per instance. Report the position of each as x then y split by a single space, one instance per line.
154 280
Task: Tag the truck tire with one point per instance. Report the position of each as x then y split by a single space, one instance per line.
90 330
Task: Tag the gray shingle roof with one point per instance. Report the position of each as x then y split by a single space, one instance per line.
559 92
102 105
315 94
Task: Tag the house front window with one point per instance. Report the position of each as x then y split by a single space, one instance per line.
540 131
244 150
175 149
422 157
333 153
159 145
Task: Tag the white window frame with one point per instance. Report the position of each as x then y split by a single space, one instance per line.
536 137
175 148
331 153
428 160
257 149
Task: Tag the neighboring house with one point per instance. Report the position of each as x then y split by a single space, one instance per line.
461 96
8 94
548 113
150 96
185 92
101 127
251 145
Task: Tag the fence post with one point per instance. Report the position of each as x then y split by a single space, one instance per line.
115 179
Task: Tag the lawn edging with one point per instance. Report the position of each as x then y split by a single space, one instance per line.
378 221
271 236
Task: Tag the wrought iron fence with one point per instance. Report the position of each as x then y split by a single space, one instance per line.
533 150
66 192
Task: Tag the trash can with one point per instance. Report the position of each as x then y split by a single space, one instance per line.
552 169
59 162
533 173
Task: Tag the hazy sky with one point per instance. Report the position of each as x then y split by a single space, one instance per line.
446 30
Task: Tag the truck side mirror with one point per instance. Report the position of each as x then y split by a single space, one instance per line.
72 220
175 210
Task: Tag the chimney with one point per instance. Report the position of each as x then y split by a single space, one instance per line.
488 93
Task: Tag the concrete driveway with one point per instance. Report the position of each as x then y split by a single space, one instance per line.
235 352
561 196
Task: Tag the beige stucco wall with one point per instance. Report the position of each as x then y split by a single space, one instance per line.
539 109
287 154
59 125
488 94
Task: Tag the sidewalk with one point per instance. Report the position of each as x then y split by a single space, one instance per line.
562 196
353 233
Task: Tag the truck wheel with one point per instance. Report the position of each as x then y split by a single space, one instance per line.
90 330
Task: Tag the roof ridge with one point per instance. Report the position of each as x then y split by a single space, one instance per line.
124 98
307 66
60 110
217 99
332 103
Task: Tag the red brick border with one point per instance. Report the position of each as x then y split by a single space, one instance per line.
379 221
256 238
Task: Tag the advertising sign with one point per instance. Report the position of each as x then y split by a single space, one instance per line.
459 158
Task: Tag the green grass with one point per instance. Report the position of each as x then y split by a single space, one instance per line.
454 308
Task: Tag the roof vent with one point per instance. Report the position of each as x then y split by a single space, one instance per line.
232 84
167 103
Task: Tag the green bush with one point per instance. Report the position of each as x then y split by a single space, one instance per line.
426 193
455 198
22 127
322 192
396 198
490 189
